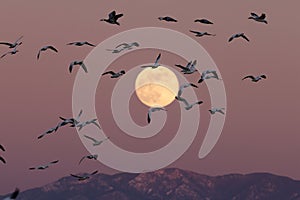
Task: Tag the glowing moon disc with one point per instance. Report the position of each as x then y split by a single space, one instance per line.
156 87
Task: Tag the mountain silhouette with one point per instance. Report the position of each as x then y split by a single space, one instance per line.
168 184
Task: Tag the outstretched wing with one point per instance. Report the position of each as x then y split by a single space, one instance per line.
182 67
263 16
15 194
2 160
76 176
81 159
84 67
2 148
109 72
254 14
6 43
53 162
231 38
157 59
250 76
118 16
88 137
38 55
196 32
244 36
149 117
95 172
112 14
52 48
90 44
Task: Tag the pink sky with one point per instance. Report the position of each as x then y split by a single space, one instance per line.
261 132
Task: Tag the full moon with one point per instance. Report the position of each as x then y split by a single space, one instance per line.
156 87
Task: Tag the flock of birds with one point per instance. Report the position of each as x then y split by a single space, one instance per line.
189 68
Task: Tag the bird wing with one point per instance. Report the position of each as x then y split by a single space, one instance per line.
81 159
80 113
182 67
118 16
244 36
254 14
2 148
52 48
2 159
112 14
196 32
72 43
84 67
5 54
88 137
19 39
193 85
157 59
76 176
6 43
250 76
123 44
71 67
221 111
15 194
90 44
231 38
135 44
53 162
263 16
149 116
109 72
95 123
38 55
95 172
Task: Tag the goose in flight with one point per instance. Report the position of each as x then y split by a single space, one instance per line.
156 64
2 160
83 124
90 157
115 74
205 74
182 87
96 142
167 19
151 110
72 121
77 63
203 21
79 44
13 195
238 35
45 48
13 45
189 68
215 110
200 34
188 106
2 148
255 79
42 167
261 18
84 177
51 130
127 46
14 51
124 46
112 18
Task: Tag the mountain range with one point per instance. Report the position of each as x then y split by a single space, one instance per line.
168 184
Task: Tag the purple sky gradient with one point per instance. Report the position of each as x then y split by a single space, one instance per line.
261 132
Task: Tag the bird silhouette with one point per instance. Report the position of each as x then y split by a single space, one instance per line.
113 18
